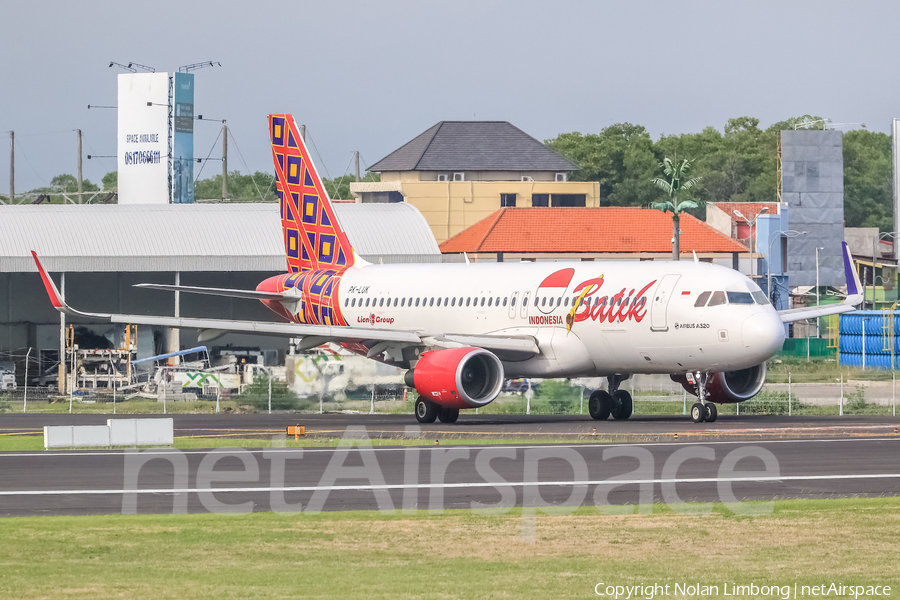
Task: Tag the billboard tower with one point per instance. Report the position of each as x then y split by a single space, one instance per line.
156 136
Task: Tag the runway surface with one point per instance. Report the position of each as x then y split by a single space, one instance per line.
436 478
639 428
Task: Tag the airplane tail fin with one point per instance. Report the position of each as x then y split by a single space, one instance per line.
313 238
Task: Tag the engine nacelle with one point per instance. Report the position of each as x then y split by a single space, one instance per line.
729 386
457 377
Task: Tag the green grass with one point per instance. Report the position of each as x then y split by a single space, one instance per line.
457 554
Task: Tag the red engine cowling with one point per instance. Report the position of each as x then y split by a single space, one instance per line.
729 386
457 377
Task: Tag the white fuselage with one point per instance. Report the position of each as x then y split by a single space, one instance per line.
657 331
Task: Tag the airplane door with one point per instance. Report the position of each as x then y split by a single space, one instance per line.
512 305
525 304
660 304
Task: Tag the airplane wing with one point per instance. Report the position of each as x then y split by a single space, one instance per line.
855 295
314 335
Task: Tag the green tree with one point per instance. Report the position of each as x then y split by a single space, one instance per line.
677 181
868 189
258 187
339 188
111 181
622 158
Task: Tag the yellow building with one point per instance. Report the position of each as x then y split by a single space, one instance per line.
460 172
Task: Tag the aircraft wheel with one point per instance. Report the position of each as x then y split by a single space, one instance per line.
622 405
600 405
448 415
711 412
426 412
698 413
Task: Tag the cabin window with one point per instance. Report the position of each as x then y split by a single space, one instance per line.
468 300
512 302
717 299
701 299
626 301
396 300
381 302
417 302
367 301
497 301
525 301
482 301
760 297
567 301
346 302
504 301
489 301
453 301
431 302
402 302
739 298
446 300
602 301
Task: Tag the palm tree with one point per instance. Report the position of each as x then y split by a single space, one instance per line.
677 182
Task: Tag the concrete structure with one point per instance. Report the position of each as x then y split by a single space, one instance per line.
589 234
812 185
97 252
459 172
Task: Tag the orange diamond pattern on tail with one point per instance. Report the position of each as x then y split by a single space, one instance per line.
317 249
313 239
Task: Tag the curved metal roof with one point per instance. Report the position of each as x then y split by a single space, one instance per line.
193 237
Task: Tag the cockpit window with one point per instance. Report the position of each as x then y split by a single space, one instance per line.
739 298
701 299
760 297
717 299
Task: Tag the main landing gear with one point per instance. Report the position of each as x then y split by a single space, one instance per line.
703 410
427 412
615 402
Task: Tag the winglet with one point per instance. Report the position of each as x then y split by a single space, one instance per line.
55 298
854 287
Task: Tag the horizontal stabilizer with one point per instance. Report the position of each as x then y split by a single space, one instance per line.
248 294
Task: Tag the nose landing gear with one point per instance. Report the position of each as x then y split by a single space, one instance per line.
703 410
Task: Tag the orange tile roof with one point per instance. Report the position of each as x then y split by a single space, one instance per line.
607 229
748 209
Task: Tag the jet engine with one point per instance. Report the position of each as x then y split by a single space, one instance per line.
729 386
457 377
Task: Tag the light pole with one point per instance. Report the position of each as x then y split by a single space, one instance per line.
892 235
752 224
817 287
789 233
864 341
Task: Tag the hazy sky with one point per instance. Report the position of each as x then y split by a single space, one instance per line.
369 76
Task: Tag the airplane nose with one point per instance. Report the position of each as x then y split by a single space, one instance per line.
763 333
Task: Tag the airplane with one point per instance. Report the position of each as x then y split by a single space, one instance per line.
460 330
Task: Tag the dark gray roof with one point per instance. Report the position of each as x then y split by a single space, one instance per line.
474 146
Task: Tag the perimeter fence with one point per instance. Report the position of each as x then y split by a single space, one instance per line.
800 394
